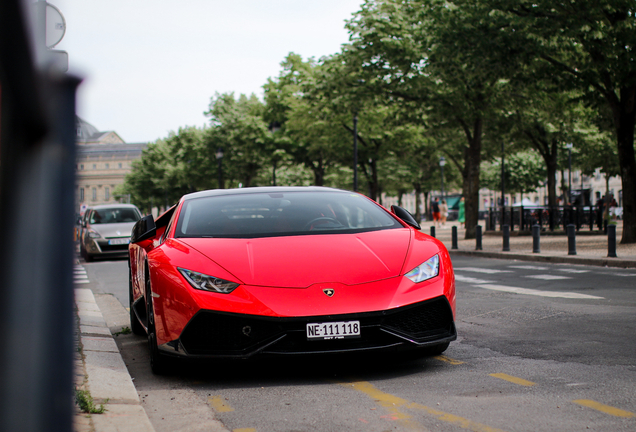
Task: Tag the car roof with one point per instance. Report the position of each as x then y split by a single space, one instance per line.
265 189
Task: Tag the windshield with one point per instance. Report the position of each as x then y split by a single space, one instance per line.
114 215
279 214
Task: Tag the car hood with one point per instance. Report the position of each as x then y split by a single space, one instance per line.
123 229
301 261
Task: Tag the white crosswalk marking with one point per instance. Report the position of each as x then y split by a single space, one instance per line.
80 276
529 267
539 293
470 280
547 277
482 270
573 270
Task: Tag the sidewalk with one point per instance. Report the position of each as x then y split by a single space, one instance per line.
100 370
591 248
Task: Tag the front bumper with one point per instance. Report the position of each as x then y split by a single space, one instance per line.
212 334
102 247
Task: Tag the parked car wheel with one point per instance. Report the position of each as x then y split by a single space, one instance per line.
135 325
159 363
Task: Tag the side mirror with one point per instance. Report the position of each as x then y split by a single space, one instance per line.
405 216
144 229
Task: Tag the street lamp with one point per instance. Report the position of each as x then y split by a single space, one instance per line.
442 162
219 160
355 152
569 147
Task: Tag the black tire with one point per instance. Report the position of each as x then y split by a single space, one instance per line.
159 363
135 325
88 257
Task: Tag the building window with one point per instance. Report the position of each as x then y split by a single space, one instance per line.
94 166
81 194
82 166
94 194
107 194
119 165
107 166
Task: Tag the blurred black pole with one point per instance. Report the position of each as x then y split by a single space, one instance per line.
503 188
611 241
454 238
355 152
37 184
506 238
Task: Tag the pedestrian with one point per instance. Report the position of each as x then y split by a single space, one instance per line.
443 211
435 210
600 209
461 216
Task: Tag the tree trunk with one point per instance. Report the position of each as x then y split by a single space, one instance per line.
418 201
426 212
319 173
470 174
625 119
551 165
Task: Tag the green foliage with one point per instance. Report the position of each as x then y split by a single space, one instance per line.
524 172
425 78
84 400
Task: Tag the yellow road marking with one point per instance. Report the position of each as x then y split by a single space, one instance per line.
394 402
448 360
244 430
219 404
604 408
513 379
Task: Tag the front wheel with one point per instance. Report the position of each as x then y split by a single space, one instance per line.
135 325
159 363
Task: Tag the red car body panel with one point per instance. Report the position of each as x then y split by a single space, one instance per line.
286 276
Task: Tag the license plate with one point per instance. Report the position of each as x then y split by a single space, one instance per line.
120 241
333 330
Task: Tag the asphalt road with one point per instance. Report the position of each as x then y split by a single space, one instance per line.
540 348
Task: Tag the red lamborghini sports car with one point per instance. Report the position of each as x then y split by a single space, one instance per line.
287 270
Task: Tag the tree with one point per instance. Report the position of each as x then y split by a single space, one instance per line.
307 123
524 172
591 44
433 53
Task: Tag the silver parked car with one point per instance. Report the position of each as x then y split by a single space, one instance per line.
106 229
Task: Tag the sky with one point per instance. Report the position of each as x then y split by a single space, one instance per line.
151 67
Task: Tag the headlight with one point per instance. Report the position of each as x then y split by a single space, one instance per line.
208 283
93 234
428 269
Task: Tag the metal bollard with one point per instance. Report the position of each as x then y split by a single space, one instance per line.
454 238
536 239
611 241
506 238
478 237
571 230
432 231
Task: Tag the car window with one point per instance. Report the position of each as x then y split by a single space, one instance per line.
113 215
279 214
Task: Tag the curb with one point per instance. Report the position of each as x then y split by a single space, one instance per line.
600 262
106 376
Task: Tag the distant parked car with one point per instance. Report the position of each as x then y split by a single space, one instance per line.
105 230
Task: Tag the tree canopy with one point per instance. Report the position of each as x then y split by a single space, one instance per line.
423 79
